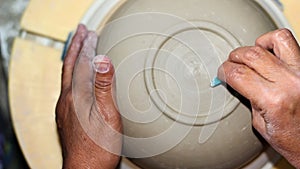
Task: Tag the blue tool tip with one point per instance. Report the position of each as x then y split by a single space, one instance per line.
215 82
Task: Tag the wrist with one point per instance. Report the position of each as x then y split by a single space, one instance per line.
80 162
91 161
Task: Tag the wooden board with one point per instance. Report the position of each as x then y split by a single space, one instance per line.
34 85
54 18
291 11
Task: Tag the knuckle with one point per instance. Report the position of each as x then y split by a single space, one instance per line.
237 73
103 84
283 35
236 52
57 109
69 97
279 100
62 108
254 53
59 113
58 120
255 123
259 40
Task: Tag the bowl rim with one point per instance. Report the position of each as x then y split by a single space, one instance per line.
95 18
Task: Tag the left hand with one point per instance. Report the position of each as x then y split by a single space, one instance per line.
88 122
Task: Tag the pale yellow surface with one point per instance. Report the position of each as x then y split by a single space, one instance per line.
34 85
291 11
35 77
54 18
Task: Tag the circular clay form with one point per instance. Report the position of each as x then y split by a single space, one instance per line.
165 54
182 69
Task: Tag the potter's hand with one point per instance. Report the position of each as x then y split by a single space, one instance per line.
268 74
85 110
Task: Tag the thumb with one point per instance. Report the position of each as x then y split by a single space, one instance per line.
104 78
109 123
104 91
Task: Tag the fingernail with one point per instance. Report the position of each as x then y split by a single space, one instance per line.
102 63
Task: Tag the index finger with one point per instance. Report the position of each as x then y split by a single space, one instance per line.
259 60
71 57
83 77
244 80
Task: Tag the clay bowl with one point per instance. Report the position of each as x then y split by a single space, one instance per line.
165 55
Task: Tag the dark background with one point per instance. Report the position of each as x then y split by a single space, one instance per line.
11 12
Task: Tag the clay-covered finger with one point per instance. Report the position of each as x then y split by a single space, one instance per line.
71 56
84 75
104 89
244 80
283 44
104 75
260 60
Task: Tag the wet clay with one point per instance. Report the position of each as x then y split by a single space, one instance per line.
165 54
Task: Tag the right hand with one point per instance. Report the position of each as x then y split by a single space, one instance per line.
268 74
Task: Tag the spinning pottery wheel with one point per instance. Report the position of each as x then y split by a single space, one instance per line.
164 59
